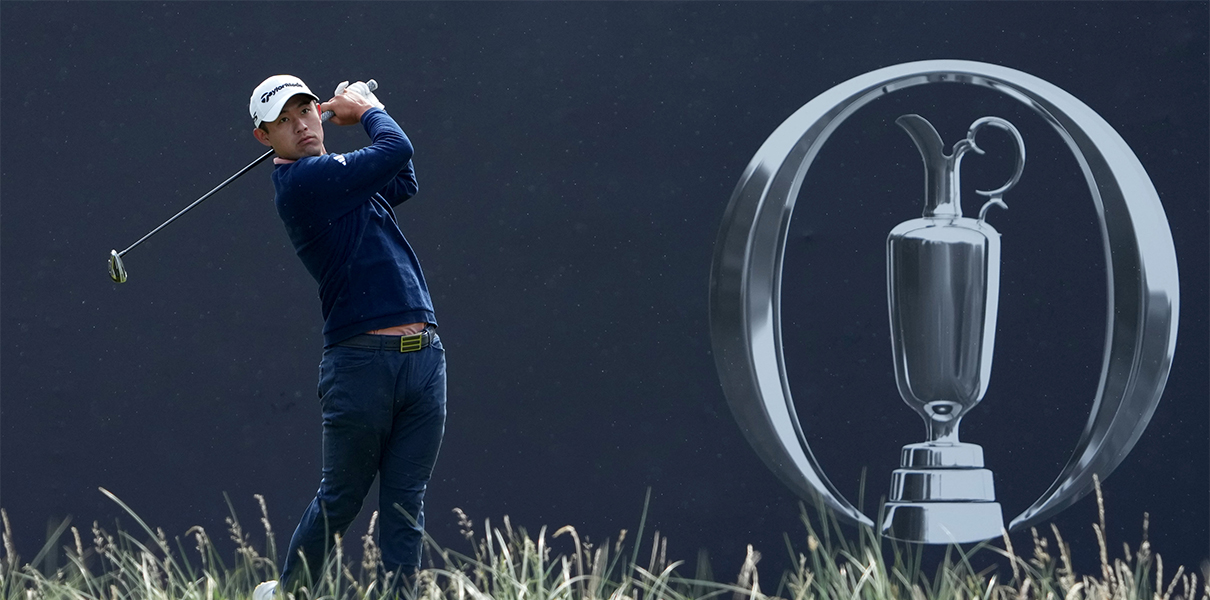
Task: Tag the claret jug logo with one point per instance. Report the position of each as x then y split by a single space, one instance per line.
943 279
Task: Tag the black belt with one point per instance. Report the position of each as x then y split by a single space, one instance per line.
399 343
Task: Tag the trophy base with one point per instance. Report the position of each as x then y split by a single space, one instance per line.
932 455
942 495
942 485
943 522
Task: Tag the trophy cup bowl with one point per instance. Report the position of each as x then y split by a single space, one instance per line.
942 329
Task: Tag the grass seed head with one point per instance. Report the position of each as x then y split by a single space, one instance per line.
10 551
466 527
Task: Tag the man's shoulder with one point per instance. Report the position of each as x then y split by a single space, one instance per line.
299 172
308 162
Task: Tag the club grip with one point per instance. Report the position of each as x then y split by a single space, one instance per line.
327 114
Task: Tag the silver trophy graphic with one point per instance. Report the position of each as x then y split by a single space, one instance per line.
943 286
944 293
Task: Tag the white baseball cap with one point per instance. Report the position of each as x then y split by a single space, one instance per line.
270 96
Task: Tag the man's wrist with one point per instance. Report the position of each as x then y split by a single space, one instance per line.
361 117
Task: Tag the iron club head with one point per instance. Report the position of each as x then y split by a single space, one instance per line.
117 270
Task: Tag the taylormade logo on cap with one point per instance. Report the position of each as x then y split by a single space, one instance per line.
266 103
269 94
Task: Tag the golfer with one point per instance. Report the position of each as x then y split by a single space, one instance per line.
382 376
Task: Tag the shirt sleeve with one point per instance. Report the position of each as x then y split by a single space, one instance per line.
334 184
402 187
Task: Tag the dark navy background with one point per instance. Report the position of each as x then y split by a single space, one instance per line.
575 161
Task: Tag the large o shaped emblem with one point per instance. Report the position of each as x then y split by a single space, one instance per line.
745 282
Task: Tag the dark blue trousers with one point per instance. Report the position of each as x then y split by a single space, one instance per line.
383 413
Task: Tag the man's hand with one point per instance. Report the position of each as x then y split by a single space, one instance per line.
350 102
362 89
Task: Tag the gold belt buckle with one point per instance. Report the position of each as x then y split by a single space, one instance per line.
411 343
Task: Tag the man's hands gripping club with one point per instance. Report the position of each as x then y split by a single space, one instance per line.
349 102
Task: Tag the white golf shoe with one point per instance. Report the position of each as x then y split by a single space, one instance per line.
265 591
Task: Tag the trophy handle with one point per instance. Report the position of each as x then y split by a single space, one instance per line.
1017 169
1144 291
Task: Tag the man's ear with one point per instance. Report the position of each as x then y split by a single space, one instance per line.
262 136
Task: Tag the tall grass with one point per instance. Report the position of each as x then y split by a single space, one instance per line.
508 563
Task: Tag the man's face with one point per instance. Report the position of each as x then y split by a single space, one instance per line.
297 131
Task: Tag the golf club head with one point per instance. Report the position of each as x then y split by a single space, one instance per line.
117 270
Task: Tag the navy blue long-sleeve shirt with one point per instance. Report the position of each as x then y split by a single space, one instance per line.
337 212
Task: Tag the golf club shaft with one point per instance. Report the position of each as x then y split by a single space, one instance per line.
371 84
199 200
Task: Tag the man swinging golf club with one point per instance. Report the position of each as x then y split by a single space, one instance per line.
382 376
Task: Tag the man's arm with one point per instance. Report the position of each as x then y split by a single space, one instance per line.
402 187
334 184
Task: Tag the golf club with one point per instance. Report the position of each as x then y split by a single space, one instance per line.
117 269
